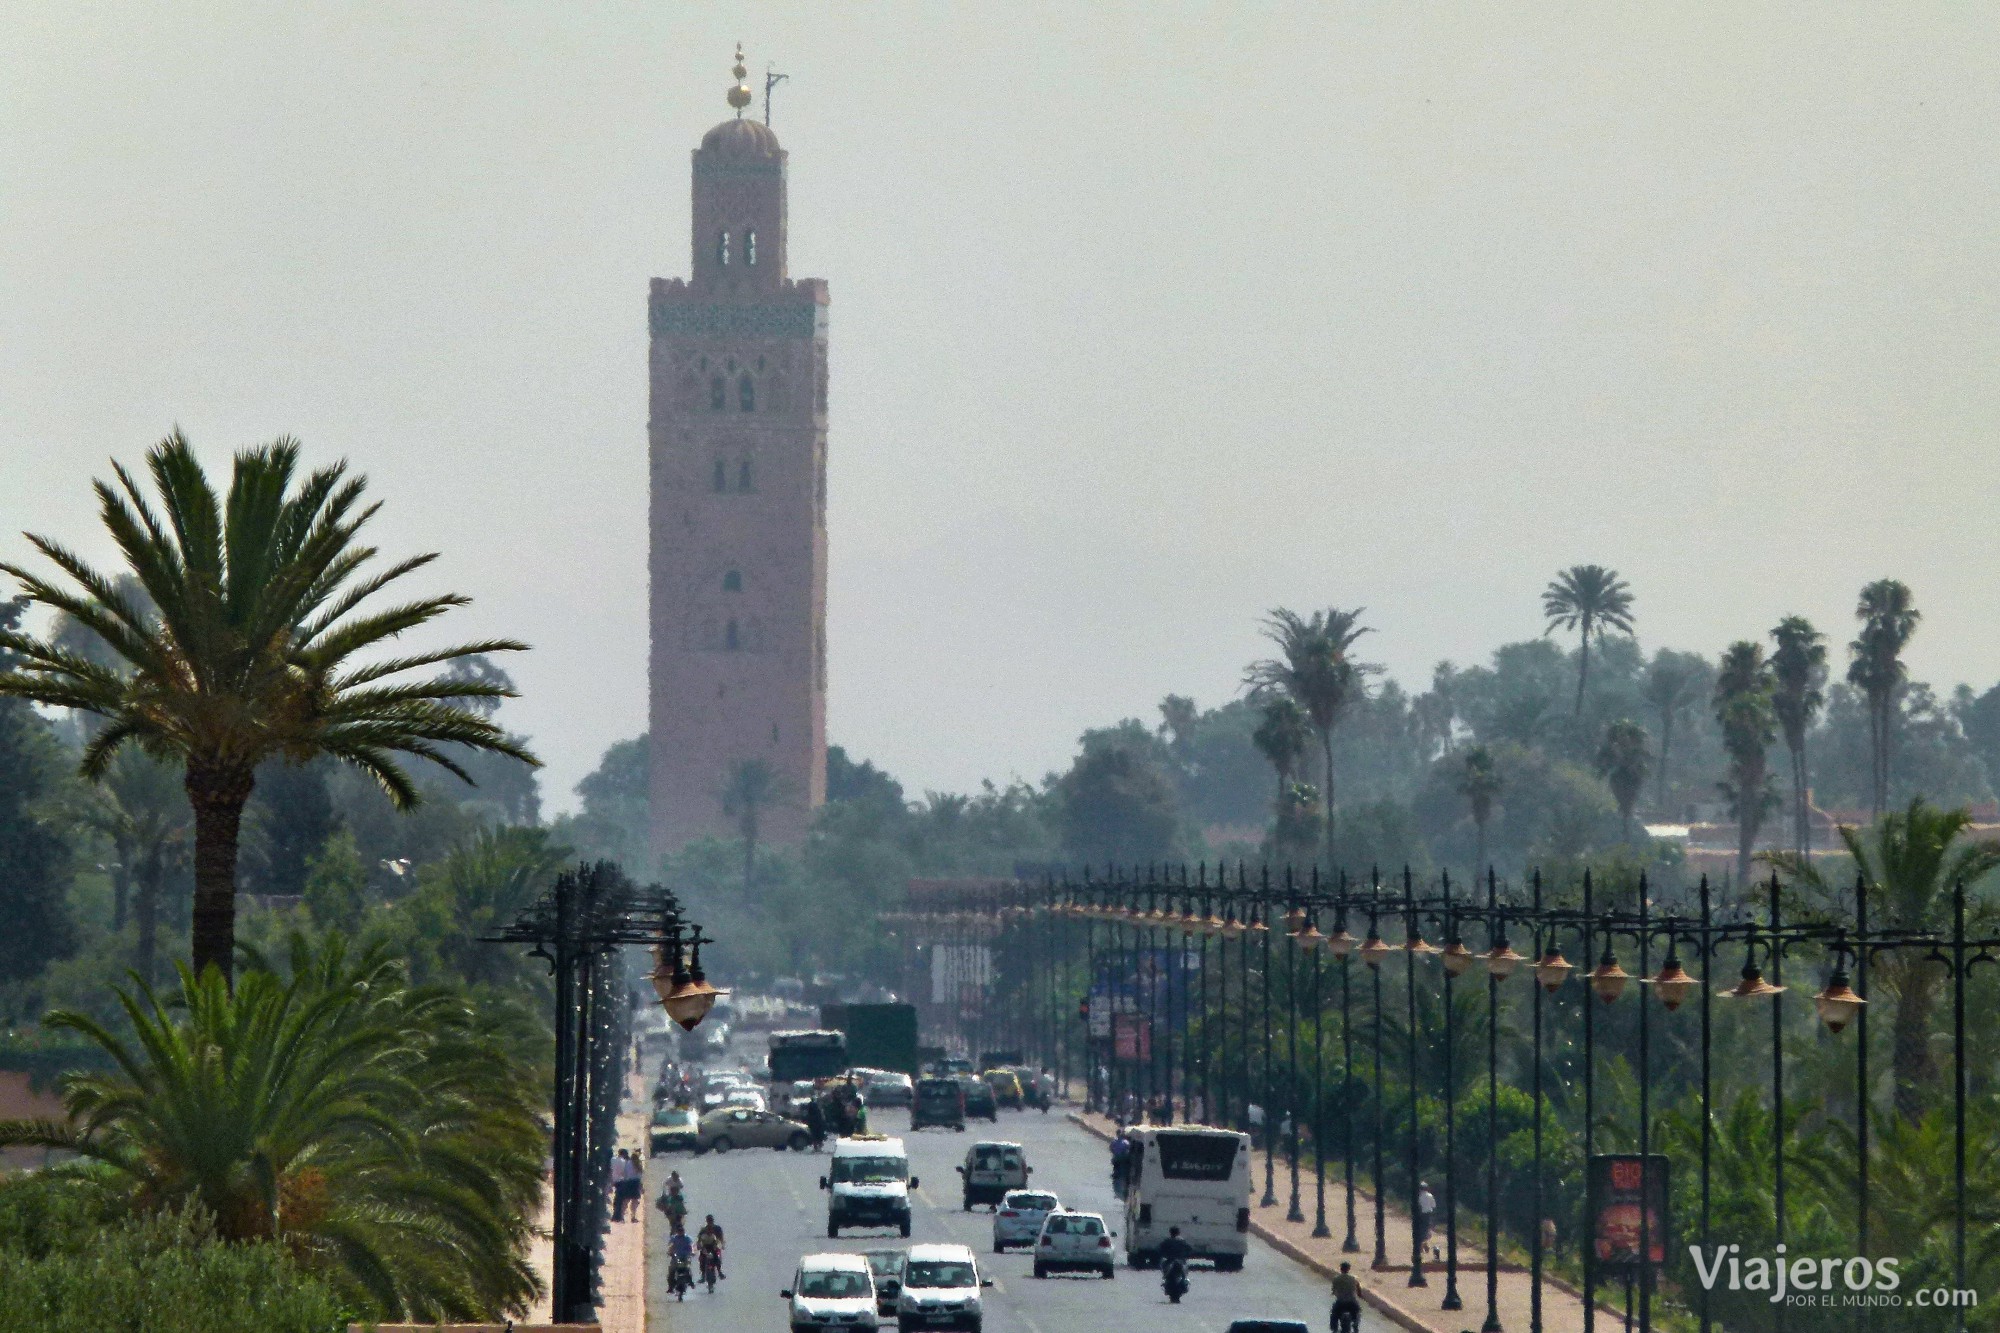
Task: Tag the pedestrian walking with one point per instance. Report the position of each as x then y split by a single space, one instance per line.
627 1186
1426 1206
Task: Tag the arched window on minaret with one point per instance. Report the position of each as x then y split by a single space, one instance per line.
746 394
743 476
750 248
730 641
722 249
732 581
718 394
721 475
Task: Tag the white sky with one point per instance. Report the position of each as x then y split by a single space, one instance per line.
1145 319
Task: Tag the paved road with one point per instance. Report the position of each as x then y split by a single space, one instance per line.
773 1211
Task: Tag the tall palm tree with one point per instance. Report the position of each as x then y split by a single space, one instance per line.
1479 784
1888 615
1591 600
754 786
250 650
1670 687
1798 673
387 1133
1909 860
1623 760
1281 736
1743 708
1317 671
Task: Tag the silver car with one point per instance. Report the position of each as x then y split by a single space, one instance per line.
1018 1219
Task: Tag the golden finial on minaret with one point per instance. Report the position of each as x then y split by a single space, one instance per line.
739 96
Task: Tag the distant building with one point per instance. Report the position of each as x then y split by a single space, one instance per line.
737 435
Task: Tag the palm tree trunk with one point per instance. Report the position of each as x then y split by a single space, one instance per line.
146 911
1910 1054
121 894
749 848
1478 850
1582 668
1800 806
218 794
1326 797
1666 749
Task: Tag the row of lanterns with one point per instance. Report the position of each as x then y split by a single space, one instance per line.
1837 1005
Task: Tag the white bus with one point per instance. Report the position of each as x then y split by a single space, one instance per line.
1194 1178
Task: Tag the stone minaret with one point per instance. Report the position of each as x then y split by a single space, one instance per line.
738 505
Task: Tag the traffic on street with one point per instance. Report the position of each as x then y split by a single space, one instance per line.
1011 1224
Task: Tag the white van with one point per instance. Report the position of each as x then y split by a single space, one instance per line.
1194 1178
990 1170
832 1291
869 1184
940 1287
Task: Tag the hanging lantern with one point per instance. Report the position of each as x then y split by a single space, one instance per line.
1309 938
1457 958
1374 950
1553 970
1673 985
1341 943
1752 987
1231 927
1501 960
1838 1005
1295 920
1607 979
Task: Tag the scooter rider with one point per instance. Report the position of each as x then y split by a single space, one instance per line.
710 1243
680 1259
1346 1300
1174 1256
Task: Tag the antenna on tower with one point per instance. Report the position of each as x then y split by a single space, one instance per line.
771 80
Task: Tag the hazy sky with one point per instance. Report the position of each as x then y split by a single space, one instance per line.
1145 319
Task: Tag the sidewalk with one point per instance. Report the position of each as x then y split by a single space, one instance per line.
624 1271
1388 1291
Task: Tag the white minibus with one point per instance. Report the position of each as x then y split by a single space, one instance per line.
1192 1177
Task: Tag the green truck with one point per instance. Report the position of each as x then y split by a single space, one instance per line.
879 1036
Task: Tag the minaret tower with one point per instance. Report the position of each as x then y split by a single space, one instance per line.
738 509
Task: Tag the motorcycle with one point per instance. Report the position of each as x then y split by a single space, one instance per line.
679 1280
711 1268
1174 1279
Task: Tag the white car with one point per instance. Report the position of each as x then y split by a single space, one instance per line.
940 1287
1018 1220
1074 1241
748 1098
832 1291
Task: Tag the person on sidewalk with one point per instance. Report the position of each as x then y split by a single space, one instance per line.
627 1186
815 1124
1426 1207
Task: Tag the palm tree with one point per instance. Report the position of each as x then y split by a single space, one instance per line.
388 1134
1743 708
140 807
753 787
250 650
1670 687
1888 616
1909 861
1315 670
1798 671
1479 784
1623 761
1591 600
1282 734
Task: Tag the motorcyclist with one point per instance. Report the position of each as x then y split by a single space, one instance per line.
1174 1256
710 1242
1346 1300
680 1259
1121 1151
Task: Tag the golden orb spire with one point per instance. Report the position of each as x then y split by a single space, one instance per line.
739 96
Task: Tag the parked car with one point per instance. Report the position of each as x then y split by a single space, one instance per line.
832 1291
674 1128
887 1266
1074 1241
886 1087
1006 1088
938 1101
729 1127
992 1169
979 1100
1268 1326
1018 1219
940 1287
